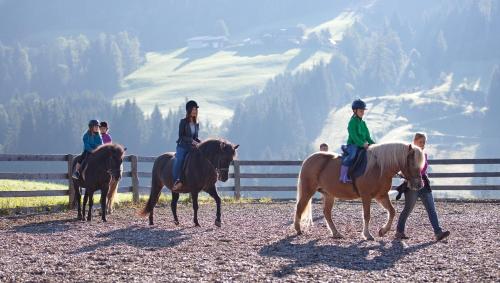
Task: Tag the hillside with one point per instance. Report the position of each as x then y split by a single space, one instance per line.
219 79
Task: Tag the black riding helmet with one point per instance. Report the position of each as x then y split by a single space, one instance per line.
93 123
190 105
358 104
103 124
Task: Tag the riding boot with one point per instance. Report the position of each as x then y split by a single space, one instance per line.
344 178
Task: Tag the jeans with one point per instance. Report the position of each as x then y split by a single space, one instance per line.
180 154
410 199
348 160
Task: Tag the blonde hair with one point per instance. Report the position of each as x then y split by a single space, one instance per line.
392 155
420 136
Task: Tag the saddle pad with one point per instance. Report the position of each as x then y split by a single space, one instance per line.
359 166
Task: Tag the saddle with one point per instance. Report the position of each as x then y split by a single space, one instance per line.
187 160
359 165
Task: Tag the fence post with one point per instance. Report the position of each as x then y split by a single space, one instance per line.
237 185
135 178
71 188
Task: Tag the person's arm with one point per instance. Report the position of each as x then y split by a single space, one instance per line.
182 132
98 140
368 137
196 134
86 143
353 129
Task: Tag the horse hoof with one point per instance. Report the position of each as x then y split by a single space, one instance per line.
369 238
176 222
338 236
104 220
197 225
218 223
299 232
151 223
79 217
381 232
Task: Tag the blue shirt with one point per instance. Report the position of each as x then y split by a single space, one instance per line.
91 142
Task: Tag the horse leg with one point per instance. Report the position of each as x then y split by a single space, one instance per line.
385 202
173 206
366 217
304 195
78 200
327 212
104 193
113 187
194 196
91 204
85 200
213 193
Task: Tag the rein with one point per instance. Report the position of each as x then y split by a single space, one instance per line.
217 168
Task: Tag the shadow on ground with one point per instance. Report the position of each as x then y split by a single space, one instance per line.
357 256
137 236
47 227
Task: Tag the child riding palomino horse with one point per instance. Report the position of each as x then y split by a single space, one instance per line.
320 172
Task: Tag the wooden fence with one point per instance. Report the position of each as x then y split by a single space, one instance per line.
136 188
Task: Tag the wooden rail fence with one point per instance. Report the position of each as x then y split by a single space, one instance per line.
237 175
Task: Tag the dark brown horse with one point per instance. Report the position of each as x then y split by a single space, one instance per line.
320 172
204 165
103 168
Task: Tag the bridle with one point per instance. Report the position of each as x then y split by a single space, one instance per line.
217 168
111 170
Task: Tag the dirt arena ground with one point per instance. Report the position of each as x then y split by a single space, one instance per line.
255 243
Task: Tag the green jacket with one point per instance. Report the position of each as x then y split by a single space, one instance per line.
358 132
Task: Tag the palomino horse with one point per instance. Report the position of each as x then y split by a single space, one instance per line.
320 172
204 165
103 168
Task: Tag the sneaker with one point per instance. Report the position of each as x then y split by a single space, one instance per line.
401 236
76 175
442 235
177 186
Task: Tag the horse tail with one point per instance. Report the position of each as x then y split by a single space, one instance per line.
307 185
156 186
303 211
113 188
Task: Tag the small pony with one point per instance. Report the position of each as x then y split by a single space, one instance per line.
103 170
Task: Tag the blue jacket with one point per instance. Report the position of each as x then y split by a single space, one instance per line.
91 142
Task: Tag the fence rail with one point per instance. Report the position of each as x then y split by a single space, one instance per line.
136 189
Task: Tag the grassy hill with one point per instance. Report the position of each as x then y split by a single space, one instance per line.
220 79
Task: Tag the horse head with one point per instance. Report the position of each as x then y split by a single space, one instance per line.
226 156
414 163
115 161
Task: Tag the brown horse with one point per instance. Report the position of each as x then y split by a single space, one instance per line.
204 165
103 168
320 172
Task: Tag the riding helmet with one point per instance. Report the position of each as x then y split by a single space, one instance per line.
190 105
358 104
93 123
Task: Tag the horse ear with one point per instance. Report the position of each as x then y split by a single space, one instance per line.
236 147
124 149
410 147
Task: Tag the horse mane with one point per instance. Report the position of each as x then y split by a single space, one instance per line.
392 155
102 150
211 147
